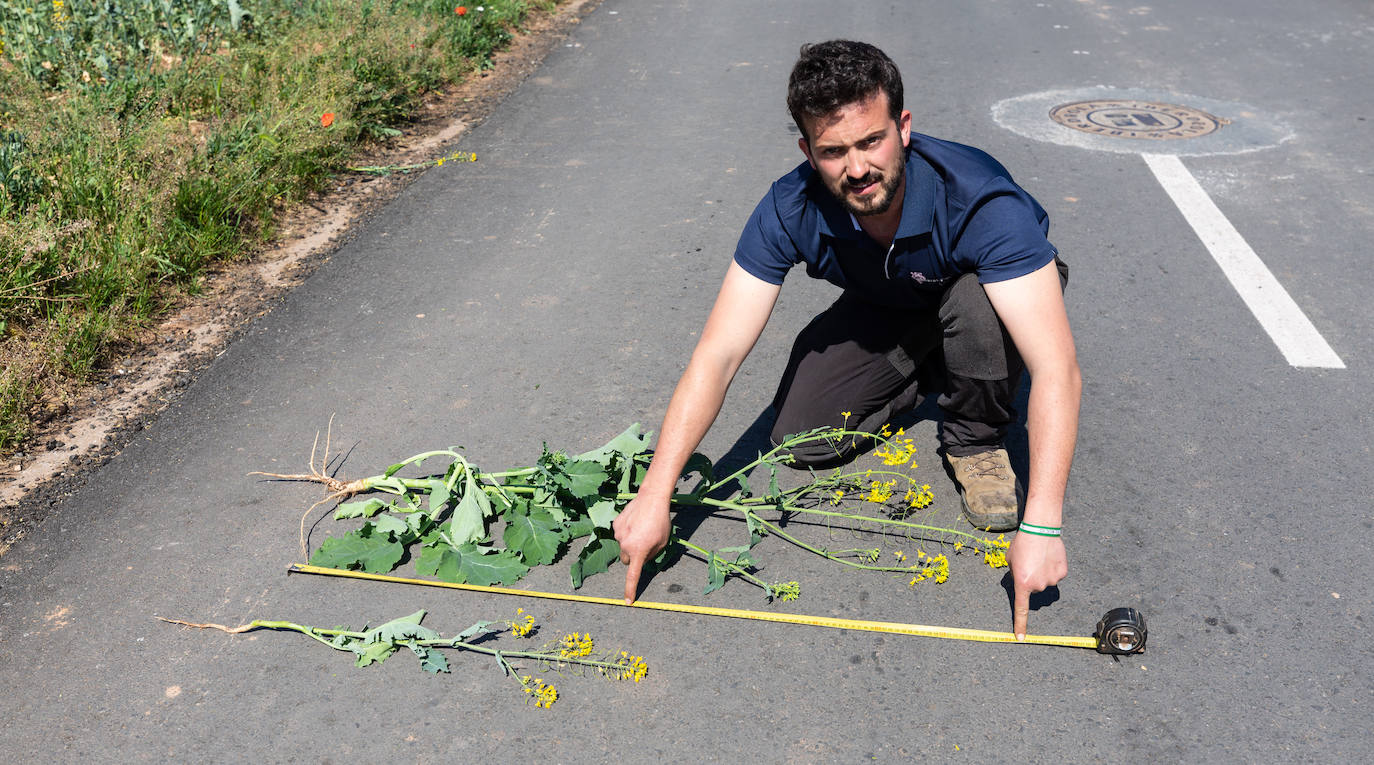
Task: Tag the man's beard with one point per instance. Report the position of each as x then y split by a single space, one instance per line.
878 203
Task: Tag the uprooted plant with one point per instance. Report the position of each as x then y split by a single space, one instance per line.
570 653
446 520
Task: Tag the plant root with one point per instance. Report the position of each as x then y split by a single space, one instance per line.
231 630
338 489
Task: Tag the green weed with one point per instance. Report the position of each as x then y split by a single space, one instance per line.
144 141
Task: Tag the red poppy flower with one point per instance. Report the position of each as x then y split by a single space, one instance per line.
461 10
327 119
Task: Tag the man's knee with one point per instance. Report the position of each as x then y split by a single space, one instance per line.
975 344
818 452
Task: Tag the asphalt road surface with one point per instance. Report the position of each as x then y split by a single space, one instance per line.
551 293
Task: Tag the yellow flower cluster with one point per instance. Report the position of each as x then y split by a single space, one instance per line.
461 156
880 491
543 693
919 499
995 552
937 568
897 450
59 14
786 591
575 644
900 556
520 628
632 667
836 497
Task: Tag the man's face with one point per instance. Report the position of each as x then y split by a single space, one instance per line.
859 153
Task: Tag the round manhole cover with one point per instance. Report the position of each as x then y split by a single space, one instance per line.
1124 118
1100 117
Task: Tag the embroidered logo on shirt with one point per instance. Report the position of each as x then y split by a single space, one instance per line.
923 280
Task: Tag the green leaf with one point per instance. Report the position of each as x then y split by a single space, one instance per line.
476 630
602 513
389 524
534 534
700 464
495 567
625 446
402 628
668 555
438 496
431 660
469 522
596 556
578 528
372 652
342 641
715 574
364 509
470 564
582 478
416 526
393 470
441 561
362 549
756 528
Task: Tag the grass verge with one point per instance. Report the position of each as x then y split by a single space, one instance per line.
143 143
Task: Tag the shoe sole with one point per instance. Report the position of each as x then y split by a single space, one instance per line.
993 522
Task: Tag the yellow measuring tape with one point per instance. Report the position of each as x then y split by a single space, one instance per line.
954 633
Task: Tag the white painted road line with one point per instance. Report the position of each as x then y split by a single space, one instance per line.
1287 325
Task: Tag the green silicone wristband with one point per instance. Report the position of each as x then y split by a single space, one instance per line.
1043 531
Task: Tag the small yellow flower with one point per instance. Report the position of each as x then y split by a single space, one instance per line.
544 694
575 645
941 564
880 491
520 628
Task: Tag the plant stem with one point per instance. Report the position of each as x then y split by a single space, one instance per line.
734 568
319 633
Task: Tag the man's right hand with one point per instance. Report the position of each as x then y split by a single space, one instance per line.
642 531
741 310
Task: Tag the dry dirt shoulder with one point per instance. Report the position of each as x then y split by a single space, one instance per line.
90 428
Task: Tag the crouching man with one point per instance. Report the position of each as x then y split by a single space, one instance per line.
948 284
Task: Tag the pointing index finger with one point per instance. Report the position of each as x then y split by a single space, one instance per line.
1020 611
632 570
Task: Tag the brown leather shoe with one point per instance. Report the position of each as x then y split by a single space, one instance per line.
992 495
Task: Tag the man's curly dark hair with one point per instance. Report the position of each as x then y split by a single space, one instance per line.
832 74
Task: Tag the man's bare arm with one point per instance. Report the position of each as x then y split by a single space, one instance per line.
742 309
1032 309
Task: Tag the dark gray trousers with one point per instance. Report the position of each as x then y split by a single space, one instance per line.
877 362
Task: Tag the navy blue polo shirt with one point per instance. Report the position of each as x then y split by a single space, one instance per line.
961 213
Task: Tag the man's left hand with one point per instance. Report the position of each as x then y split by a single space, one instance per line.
1036 563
